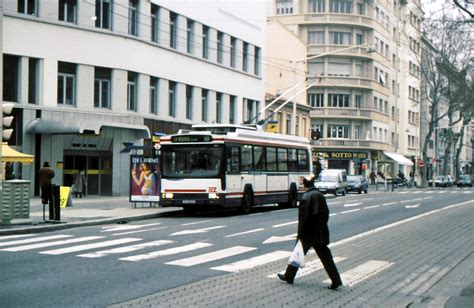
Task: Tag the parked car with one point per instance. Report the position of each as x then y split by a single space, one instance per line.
441 181
332 181
448 181
357 183
464 180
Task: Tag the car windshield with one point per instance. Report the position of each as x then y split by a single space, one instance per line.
465 178
327 178
191 161
439 178
354 179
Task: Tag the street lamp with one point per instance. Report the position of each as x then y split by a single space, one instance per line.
370 49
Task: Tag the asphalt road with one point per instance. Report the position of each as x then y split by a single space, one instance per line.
102 265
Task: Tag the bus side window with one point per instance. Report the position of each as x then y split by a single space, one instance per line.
259 157
233 160
292 160
282 159
247 157
303 162
271 159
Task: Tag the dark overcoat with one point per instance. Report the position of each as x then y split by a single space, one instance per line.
45 174
313 216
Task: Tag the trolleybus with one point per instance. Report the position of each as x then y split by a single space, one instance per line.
236 166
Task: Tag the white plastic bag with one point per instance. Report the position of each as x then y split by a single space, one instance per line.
297 256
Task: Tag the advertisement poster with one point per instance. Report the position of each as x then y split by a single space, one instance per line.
144 179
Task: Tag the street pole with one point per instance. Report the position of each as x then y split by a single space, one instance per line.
293 115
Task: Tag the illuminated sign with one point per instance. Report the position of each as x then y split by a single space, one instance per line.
345 155
191 138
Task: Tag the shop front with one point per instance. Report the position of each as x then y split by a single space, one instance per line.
353 162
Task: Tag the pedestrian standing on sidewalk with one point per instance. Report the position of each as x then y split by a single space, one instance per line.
45 176
372 177
313 231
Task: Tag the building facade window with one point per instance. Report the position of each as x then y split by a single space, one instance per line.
33 86
233 51
340 38
316 6
11 64
339 100
66 84
190 36
316 37
338 131
316 100
205 42
155 22
133 17
220 47
256 61
204 99
284 7
189 102
340 6
103 14
28 7
245 56
154 86
172 99
232 106
218 107
67 11
132 80
102 87
173 27
250 108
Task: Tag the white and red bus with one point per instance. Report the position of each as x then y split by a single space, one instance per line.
232 166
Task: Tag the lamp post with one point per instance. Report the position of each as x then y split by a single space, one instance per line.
295 63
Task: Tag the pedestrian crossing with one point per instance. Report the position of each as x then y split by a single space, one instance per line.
139 250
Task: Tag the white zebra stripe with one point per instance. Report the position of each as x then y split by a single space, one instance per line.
55 243
166 252
90 246
212 256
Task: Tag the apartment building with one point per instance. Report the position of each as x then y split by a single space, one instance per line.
362 74
88 76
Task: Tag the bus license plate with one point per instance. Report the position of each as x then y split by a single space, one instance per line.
189 201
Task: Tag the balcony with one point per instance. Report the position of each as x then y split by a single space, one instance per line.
349 82
354 52
350 113
350 144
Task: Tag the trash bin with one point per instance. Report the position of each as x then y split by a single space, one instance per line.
15 202
54 205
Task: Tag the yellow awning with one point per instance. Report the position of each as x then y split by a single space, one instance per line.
11 155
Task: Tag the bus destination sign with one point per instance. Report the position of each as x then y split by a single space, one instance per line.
191 138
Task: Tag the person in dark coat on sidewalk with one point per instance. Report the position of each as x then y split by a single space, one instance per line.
313 231
45 176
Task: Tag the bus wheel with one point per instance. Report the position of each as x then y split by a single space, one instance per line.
247 201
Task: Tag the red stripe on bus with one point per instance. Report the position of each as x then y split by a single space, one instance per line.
184 190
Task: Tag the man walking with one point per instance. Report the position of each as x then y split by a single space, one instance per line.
313 231
45 175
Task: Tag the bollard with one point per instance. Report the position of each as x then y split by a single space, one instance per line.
54 205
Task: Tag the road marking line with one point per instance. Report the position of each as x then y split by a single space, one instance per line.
404 192
195 231
166 252
125 249
276 239
389 203
417 192
246 232
397 223
336 202
366 199
212 256
413 206
129 227
55 243
350 211
352 204
253 262
425 198
34 240
371 207
195 223
310 268
362 272
7 237
138 231
90 246
285 224
333 214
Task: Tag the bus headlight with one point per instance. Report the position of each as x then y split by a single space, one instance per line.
213 196
167 195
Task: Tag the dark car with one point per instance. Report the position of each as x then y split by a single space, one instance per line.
357 183
464 180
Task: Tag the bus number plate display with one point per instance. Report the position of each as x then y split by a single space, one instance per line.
191 138
189 201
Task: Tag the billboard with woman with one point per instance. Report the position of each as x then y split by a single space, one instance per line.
144 179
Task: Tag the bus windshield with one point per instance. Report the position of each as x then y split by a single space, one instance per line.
191 161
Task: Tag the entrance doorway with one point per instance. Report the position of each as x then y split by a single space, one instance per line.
97 168
339 164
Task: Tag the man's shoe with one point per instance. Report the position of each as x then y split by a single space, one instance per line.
282 277
334 286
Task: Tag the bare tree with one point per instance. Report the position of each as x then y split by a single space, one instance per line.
465 6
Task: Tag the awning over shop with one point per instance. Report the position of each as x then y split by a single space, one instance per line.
13 156
402 160
53 127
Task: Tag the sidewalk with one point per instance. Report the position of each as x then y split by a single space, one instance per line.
87 211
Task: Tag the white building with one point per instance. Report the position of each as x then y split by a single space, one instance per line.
87 76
